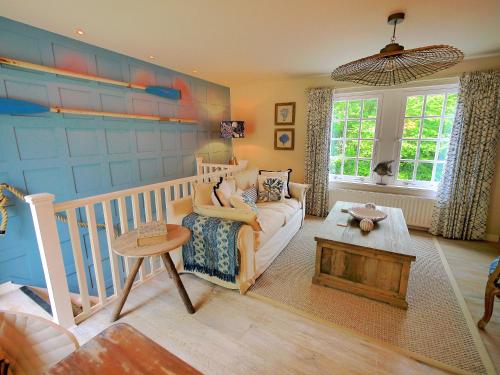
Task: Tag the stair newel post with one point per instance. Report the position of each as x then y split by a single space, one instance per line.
42 211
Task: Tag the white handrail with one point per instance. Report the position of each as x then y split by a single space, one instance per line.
148 201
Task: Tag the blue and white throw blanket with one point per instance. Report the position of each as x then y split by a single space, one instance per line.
212 248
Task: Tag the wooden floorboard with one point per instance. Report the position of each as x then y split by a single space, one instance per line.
234 334
469 262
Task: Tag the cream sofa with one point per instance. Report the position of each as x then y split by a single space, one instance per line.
280 221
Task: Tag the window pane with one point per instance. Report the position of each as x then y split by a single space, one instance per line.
411 128
447 126
427 150
443 150
405 170
431 128
369 108
352 129
434 105
350 167
336 147
365 149
408 149
339 110
439 172
424 172
336 165
351 148
451 104
414 106
354 109
364 168
368 129
338 129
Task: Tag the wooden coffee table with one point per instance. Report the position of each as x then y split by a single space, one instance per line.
372 264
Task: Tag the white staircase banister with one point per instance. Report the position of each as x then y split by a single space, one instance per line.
42 211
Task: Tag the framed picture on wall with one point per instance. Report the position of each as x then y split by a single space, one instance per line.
284 139
284 113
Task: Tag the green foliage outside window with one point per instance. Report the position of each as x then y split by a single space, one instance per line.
353 131
426 130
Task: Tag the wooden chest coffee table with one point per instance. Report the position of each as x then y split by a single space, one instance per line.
375 264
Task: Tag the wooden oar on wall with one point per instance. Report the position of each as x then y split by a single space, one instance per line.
164 92
22 107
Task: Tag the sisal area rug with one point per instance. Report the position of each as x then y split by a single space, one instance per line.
437 327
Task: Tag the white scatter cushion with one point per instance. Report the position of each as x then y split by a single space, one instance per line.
223 191
271 189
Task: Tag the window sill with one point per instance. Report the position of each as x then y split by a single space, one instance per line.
389 189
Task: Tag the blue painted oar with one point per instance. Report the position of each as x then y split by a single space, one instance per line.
10 106
20 107
164 92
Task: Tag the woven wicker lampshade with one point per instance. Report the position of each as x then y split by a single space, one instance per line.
395 65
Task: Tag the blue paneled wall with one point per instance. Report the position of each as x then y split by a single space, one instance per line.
77 156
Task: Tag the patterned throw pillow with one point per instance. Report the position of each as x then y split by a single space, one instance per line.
285 174
250 194
271 189
238 201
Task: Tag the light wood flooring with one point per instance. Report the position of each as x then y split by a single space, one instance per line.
233 334
469 261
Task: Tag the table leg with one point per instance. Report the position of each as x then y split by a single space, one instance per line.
178 283
126 289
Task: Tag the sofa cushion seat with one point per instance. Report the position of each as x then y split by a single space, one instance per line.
287 207
270 221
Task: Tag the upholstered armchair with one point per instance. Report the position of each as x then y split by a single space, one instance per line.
492 290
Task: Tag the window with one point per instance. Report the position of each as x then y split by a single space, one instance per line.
354 124
427 123
412 128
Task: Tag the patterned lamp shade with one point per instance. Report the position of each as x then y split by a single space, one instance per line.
232 129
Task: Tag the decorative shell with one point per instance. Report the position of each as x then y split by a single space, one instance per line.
371 205
366 225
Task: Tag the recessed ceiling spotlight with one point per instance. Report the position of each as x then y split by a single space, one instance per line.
79 31
195 71
152 57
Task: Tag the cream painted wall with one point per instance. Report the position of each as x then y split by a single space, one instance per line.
254 104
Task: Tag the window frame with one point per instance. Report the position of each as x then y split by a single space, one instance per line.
358 96
424 91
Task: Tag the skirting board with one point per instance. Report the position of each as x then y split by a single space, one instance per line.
491 237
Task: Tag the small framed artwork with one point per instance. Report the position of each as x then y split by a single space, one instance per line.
284 139
284 113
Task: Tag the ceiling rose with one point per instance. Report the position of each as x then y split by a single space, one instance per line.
395 65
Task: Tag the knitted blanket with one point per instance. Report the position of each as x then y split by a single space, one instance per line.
212 249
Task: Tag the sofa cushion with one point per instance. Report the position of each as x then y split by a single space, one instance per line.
287 207
223 190
270 221
271 189
285 174
202 193
246 178
236 214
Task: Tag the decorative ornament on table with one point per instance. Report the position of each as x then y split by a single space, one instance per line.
384 168
366 225
371 205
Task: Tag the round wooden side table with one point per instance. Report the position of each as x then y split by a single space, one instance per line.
126 245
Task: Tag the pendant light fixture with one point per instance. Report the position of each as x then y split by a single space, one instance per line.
395 65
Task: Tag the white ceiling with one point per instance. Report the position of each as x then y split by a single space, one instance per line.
235 41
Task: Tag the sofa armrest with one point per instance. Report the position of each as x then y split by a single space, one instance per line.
298 191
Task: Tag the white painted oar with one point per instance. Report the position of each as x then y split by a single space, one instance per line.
165 92
19 107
